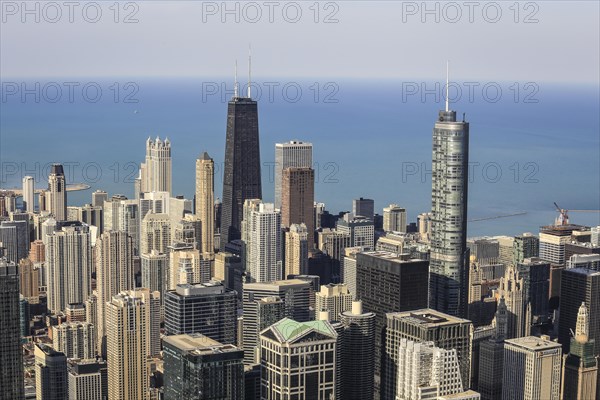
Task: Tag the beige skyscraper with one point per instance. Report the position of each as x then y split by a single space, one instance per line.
155 171
56 197
261 233
187 265
29 279
69 265
28 194
394 218
133 328
114 274
297 200
205 200
580 366
155 233
335 299
296 250
75 339
512 289
532 369
285 342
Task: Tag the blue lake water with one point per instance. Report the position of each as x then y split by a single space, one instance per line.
371 139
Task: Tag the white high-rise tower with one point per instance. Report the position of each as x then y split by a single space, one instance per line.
156 169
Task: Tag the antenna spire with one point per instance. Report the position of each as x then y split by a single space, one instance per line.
235 84
249 69
447 84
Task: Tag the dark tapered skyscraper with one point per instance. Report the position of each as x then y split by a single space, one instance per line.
449 264
241 178
11 359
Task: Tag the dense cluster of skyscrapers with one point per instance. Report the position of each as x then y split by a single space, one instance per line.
162 297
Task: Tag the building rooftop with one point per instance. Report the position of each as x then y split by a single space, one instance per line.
469 394
395 257
533 343
583 271
212 287
287 330
272 284
428 317
198 344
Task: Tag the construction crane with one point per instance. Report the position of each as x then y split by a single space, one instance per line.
563 218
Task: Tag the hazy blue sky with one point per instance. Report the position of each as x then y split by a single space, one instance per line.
370 39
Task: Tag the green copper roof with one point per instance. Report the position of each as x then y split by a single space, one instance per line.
287 329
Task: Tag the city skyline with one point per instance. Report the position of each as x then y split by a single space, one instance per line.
367 236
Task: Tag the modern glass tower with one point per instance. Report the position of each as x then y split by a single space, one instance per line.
11 358
449 265
241 178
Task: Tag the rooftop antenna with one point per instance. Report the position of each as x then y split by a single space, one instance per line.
249 68
447 75
235 84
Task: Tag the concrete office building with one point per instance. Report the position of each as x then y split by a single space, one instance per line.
197 367
75 339
491 357
532 369
133 334
525 246
155 233
294 293
360 229
28 194
69 265
87 379
50 373
114 274
425 371
386 282
363 208
155 273
512 290
56 196
297 200
445 331
262 243
209 309
298 359
89 214
293 154
580 366
205 201
155 171
296 250
334 299
394 218
98 198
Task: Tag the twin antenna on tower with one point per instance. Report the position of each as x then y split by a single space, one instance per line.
236 85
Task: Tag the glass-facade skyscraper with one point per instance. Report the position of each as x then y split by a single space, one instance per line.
449 264
241 177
